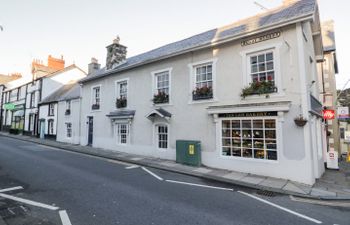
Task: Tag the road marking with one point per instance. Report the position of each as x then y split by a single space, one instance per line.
29 202
132 167
281 208
153 174
11 189
199 185
64 217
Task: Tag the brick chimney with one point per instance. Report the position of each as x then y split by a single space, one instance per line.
116 54
93 66
55 63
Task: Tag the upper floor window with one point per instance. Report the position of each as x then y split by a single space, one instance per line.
18 94
51 109
68 107
262 67
161 87
32 99
122 94
122 133
203 82
162 136
96 98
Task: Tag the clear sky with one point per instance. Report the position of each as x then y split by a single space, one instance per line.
81 29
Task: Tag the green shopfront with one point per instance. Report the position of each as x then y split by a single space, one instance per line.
16 113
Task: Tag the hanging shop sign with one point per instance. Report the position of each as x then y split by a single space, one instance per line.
247 114
9 106
328 114
343 113
261 38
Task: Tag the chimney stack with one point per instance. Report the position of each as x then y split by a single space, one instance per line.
116 54
55 63
93 66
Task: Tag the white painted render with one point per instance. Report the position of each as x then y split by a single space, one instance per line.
299 154
44 116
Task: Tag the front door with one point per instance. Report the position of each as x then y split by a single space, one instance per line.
90 129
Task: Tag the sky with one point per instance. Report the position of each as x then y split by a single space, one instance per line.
81 29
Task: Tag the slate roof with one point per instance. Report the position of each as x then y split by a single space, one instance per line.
67 92
278 16
328 37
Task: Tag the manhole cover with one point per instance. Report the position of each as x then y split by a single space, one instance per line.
266 193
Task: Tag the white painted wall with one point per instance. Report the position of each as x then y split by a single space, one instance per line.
190 120
73 118
43 114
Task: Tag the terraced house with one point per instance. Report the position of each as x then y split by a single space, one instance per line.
247 91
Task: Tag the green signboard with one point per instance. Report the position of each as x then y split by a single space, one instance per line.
9 106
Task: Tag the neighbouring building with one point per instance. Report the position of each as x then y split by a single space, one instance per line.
247 91
344 127
47 107
7 78
61 111
327 72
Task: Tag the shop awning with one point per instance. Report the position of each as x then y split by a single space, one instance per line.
159 112
19 113
122 114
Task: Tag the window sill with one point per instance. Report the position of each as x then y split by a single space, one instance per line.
263 96
203 101
253 160
161 104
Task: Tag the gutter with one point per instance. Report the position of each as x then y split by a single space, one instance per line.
222 41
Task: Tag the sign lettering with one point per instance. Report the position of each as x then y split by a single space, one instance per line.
261 38
247 114
328 114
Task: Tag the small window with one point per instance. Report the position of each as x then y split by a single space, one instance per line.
122 94
96 98
162 85
123 133
51 109
32 99
50 127
69 130
203 82
68 108
162 136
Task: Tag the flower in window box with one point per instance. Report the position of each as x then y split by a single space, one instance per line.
259 88
67 112
95 106
121 102
160 97
204 92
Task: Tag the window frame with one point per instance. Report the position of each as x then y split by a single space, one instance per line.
155 85
117 90
156 135
51 110
50 127
118 134
68 104
246 78
257 54
92 100
67 130
192 68
278 135
32 99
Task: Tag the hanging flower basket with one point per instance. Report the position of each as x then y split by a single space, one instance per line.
201 93
160 98
121 102
300 121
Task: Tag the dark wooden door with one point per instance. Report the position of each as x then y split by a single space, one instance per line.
90 130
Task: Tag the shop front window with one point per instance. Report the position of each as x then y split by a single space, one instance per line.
249 138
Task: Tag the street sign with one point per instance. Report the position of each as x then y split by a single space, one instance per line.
328 114
332 159
9 106
343 112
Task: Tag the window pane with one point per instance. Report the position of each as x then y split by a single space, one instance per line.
236 142
258 134
261 58
226 142
254 68
236 123
226 133
225 124
255 77
247 153
258 144
237 152
253 60
236 133
246 124
226 151
259 154
270 124
271 144
247 133
247 143
258 123
262 67
269 56
269 65
270 76
270 134
271 155
262 76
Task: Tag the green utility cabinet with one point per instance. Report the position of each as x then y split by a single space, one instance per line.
188 152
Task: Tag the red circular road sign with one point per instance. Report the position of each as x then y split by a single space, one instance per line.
328 114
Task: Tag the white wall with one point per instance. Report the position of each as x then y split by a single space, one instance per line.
43 114
73 118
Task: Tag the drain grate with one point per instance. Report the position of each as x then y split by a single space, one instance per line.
266 193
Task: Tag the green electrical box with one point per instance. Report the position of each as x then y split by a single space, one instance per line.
188 152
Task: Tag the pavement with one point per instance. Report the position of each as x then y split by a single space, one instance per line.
333 185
